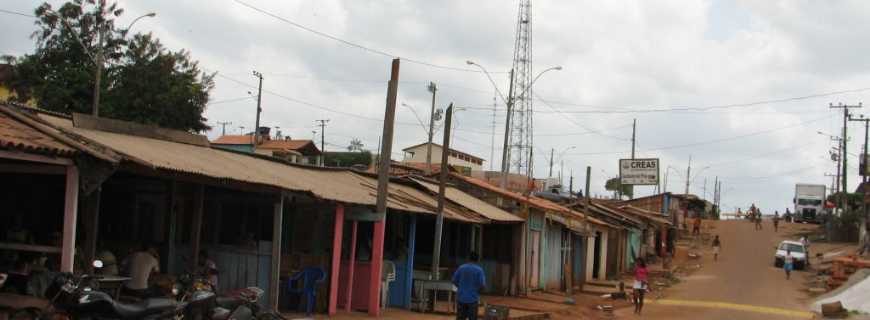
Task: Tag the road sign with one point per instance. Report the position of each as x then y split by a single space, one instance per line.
639 171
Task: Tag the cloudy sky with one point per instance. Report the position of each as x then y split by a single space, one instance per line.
741 87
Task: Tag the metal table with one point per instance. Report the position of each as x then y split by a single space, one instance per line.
435 286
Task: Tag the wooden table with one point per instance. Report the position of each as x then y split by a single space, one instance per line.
113 284
435 286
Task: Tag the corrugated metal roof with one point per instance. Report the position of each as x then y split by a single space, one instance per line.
650 215
234 139
330 184
466 200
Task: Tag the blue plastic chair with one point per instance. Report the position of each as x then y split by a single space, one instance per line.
310 276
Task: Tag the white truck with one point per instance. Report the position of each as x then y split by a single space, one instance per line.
809 202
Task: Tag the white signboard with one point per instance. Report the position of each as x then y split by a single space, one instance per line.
639 171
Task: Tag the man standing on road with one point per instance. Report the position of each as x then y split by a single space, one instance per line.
865 247
717 245
469 280
696 225
758 225
776 221
788 264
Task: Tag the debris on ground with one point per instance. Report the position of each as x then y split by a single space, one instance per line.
853 294
834 310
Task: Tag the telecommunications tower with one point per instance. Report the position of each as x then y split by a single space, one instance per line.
521 137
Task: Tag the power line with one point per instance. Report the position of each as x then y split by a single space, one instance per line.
353 44
17 13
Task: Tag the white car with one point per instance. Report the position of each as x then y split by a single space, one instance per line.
798 251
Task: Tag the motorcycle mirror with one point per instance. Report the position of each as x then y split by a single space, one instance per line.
97 264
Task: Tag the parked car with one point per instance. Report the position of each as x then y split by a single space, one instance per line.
798 251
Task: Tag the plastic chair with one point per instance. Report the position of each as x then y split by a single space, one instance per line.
310 277
388 274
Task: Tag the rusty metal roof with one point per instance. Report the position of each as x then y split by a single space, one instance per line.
20 136
474 204
331 184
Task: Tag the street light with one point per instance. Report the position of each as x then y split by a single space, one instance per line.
509 105
562 163
667 171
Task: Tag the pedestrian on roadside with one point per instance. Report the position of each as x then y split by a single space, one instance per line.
696 225
788 264
640 284
717 246
865 247
776 221
805 240
758 225
788 217
469 280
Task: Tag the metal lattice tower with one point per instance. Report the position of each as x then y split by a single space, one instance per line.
521 115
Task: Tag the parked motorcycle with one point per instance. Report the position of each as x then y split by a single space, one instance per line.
243 304
77 297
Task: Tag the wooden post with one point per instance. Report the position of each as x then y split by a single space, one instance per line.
336 258
91 224
275 275
70 214
196 228
374 306
412 244
350 266
170 236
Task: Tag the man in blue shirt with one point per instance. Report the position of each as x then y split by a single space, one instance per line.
469 280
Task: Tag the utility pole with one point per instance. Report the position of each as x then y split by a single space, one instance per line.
505 151
571 185
259 95
705 189
863 168
688 174
374 294
432 88
551 163
633 140
442 181
844 148
588 182
99 73
323 123
224 127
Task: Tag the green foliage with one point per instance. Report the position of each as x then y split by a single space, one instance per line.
355 145
142 81
348 159
853 200
614 185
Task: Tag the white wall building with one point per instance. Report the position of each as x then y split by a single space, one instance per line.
417 154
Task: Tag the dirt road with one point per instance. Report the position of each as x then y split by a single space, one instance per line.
743 284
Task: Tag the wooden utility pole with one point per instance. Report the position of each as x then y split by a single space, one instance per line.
374 296
588 181
259 96
442 181
505 151
688 174
863 168
633 132
322 125
843 147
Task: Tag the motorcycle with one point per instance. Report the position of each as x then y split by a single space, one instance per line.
241 304
76 297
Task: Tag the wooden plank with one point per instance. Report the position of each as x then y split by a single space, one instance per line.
70 215
351 265
275 274
338 229
35 158
91 224
172 187
29 247
196 228
32 168
412 246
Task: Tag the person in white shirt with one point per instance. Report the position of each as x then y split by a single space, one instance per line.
788 264
141 265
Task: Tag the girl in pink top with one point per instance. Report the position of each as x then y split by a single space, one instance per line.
640 284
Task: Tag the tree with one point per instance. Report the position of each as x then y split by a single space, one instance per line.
142 81
615 185
355 145
349 159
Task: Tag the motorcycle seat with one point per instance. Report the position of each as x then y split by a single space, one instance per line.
229 302
144 307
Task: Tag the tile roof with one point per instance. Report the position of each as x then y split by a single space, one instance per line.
17 135
234 139
439 146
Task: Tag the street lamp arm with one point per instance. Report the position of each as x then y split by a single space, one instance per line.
488 76
130 26
536 79
75 34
